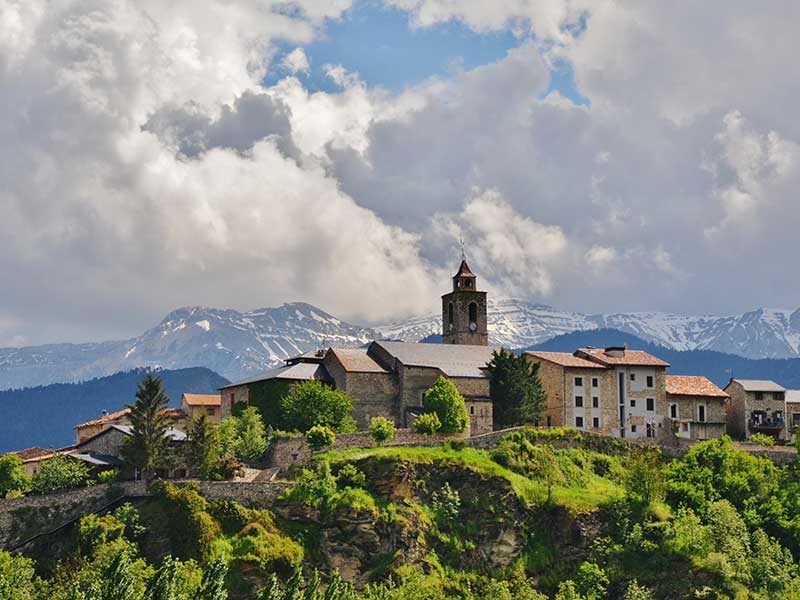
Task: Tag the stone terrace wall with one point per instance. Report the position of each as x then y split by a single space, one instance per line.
252 495
287 452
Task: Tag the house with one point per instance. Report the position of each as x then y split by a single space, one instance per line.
756 406
195 405
388 378
84 431
615 391
696 407
32 457
792 412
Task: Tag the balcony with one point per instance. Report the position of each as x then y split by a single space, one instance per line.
771 427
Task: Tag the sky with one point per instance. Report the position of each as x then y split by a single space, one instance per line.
595 155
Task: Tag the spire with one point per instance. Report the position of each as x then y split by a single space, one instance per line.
463 254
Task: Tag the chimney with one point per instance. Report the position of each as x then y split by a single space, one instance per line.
104 413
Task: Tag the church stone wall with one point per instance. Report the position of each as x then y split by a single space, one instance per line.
460 334
373 394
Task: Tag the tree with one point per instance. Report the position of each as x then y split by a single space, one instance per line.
147 447
213 585
381 429
203 447
16 577
164 585
515 389
59 473
252 437
320 436
312 403
12 474
444 399
547 467
645 478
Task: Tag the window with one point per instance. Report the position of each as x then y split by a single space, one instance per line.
578 421
473 312
472 409
651 404
450 313
701 413
579 401
579 382
595 402
673 411
633 428
649 381
633 376
233 399
685 427
549 421
777 395
633 402
596 422
759 395
210 411
595 382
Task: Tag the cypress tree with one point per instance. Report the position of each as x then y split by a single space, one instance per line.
146 448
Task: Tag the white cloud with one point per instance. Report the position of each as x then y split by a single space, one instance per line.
296 61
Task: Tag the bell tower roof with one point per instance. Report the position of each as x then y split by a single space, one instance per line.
463 270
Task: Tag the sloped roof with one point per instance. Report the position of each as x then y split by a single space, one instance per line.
793 396
203 399
32 453
175 435
759 385
104 419
302 371
693 385
100 460
565 359
464 271
454 360
632 358
356 360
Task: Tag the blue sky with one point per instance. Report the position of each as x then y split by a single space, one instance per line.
381 45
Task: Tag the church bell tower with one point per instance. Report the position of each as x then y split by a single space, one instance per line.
464 310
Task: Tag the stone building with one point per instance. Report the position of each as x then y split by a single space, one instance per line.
84 431
792 412
389 378
756 406
194 405
696 407
615 391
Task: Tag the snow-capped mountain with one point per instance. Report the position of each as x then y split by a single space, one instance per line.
231 343
240 344
761 333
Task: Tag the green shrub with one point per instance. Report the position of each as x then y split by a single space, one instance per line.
381 429
94 531
108 476
762 439
314 488
456 444
356 500
350 476
591 581
428 423
601 465
128 515
444 399
16 577
311 403
320 436
446 503
192 529
12 475
59 473
270 550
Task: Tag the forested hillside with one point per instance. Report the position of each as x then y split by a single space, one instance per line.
717 366
543 514
44 416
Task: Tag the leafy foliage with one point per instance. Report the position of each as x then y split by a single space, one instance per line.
516 391
762 439
312 403
427 423
444 399
382 429
320 436
12 474
59 473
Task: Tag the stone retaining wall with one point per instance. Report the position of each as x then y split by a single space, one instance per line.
291 451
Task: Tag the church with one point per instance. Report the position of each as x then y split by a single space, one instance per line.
389 378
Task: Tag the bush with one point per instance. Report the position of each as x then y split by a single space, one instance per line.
12 475
59 473
446 503
320 436
108 476
271 550
428 423
762 439
381 429
356 500
311 403
444 399
192 529
350 476
94 531
591 581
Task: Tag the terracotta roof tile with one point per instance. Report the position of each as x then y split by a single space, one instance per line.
690 385
31 453
633 358
565 359
463 270
110 417
203 399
